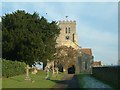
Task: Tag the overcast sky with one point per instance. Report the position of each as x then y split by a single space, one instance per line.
97 23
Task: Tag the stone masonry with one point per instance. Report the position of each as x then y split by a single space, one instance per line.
68 37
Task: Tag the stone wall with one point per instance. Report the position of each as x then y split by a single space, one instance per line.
84 64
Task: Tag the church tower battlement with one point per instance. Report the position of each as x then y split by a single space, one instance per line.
67 32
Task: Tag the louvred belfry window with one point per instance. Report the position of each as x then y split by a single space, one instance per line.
69 29
66 29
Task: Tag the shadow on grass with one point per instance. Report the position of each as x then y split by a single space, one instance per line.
60 81
67 84
16 80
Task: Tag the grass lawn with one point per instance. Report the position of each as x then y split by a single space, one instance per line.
80 80
39 81
0 83
87 81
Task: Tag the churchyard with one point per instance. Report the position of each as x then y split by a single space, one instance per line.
37 81
19 75
28 38
33 78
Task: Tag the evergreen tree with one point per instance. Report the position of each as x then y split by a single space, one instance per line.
0 40
50 33
27 37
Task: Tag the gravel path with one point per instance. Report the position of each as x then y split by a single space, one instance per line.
68 81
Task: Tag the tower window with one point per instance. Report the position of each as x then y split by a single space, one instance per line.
73 37
67 37
69 29
66 29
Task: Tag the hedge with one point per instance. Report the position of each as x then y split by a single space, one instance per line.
12 68
0 68
108 74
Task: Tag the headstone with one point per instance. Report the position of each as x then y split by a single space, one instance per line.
53 68
34 71
47 74
57 70
27 73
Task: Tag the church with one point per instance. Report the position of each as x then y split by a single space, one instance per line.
68 37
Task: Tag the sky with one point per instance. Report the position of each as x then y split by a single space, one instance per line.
97 23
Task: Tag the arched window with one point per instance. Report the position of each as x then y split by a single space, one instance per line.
69 29
66 29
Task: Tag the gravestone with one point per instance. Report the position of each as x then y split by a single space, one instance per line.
27 73
34 71
47 73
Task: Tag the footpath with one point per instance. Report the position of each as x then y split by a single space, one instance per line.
70 81
67 82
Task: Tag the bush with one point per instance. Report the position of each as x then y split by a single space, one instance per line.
12 68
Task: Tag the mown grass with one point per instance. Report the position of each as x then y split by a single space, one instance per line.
102 80
82 83
37 81
80 80
0 83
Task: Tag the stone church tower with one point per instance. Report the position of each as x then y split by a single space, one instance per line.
68 33
68 37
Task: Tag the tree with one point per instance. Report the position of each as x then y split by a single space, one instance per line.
0 40
66 56
50 33
27 37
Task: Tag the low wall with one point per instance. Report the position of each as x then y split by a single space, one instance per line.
108 74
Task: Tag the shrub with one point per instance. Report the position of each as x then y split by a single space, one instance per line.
12 68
